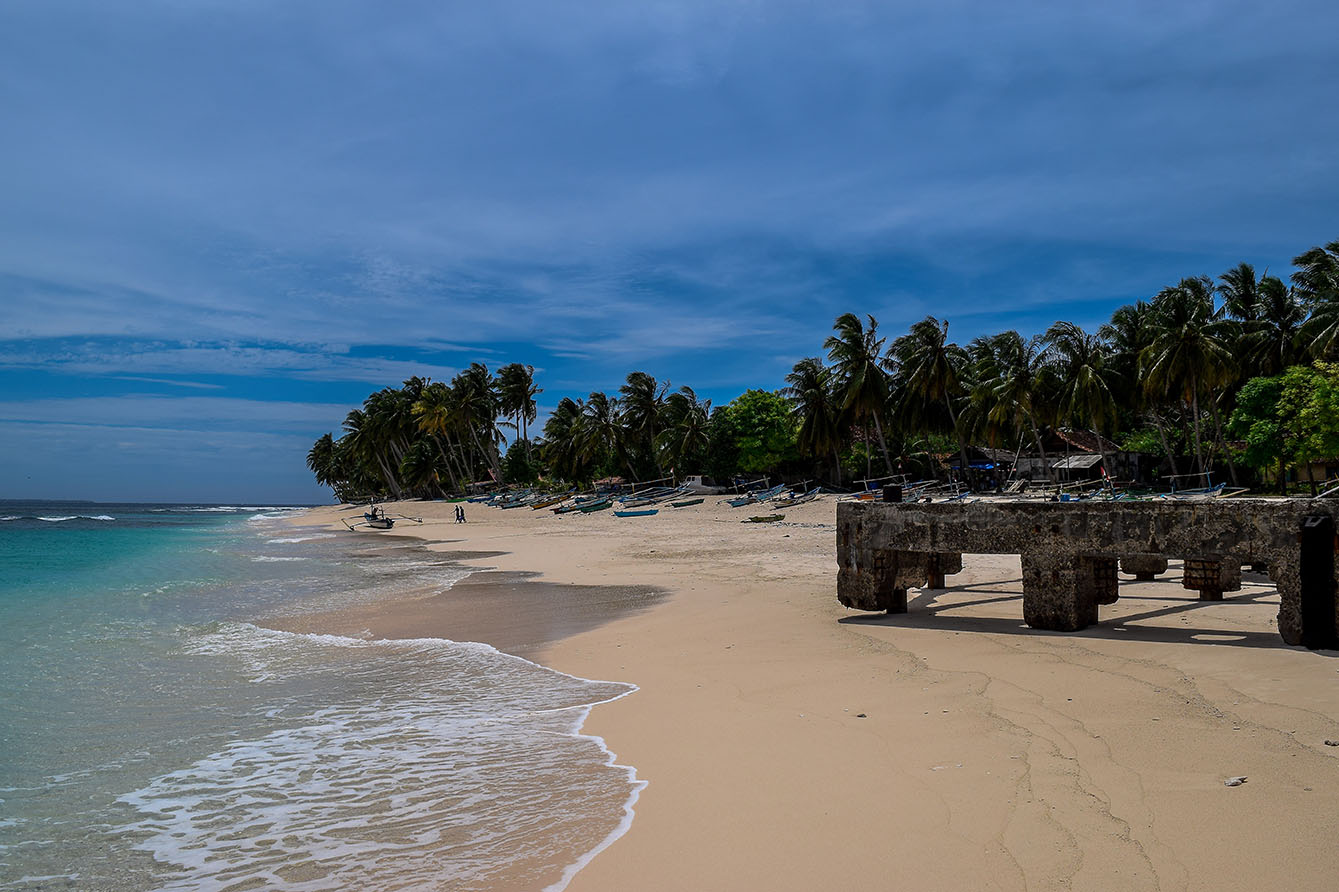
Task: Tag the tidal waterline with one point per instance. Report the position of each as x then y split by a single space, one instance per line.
157 734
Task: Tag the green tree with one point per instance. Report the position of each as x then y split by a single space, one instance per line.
516 464
763 431
1289 418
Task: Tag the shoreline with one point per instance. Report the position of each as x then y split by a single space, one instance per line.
787 742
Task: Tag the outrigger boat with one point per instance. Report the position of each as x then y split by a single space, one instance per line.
377 519
687 503
793 500
756 497
646 513
596 506
765 518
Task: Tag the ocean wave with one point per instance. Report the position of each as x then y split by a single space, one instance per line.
267 559
442 765
296 539
63 518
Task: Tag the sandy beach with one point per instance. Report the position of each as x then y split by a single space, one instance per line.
791 744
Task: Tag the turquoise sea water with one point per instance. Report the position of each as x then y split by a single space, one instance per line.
154 734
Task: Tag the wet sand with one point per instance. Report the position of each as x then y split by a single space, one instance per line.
514 611
791 744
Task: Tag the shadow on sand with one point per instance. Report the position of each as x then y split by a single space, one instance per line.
938 609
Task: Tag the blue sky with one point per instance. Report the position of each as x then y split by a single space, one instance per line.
224 222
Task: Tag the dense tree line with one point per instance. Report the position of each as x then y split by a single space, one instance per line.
1207 373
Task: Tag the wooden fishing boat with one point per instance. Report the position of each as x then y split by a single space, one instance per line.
549 502
595 506
644 513
792 501
637 503
765 518
687 503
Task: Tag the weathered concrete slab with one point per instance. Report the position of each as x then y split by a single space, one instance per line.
1070 552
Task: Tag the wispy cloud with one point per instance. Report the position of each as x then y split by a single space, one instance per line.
199 385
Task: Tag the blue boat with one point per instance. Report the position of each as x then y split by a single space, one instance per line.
646 513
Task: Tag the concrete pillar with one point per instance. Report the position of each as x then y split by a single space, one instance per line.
937 566
1212 575
1053 598
1285 571
1144 567
878 578
1097 579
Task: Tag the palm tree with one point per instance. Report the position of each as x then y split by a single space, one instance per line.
516 397
686 431
642 401
931 369
1126 336
1186 357
1316 283
603 431
1240 291
321 460
809 386
438 417
855 352
1317 278
564 436
1274 341
476 400
1078 360
1009 382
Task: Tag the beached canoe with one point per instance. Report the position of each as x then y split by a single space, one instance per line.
549 503
637 503
595 506
792 501
687 503
765 518
645 513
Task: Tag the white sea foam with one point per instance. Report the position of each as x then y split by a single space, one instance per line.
63 518
441 764
296 539
267 559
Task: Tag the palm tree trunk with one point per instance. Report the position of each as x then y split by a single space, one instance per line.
1102 452
962 443
883 446
1162 437
1036 435
450 471
388 475
1195 419
836 465
1218 424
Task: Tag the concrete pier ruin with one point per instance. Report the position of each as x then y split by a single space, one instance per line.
1071 552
